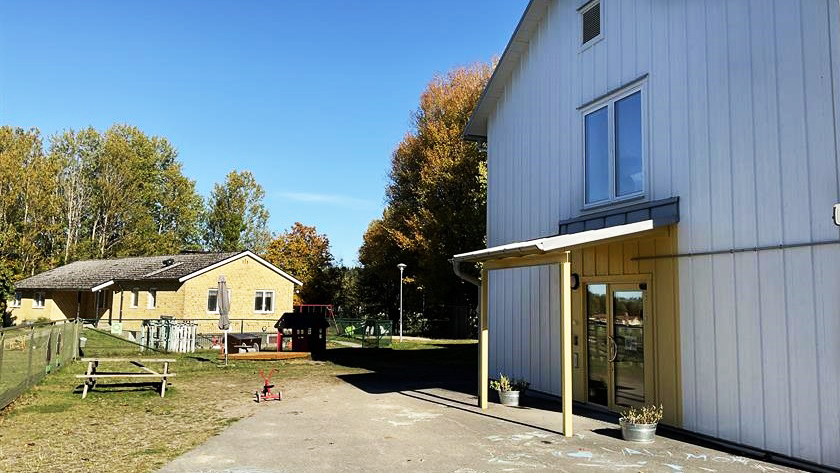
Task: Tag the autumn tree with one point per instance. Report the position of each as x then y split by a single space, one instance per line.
305 254
435 198
29 229
236 217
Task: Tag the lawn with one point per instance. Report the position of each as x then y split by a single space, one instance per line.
51 428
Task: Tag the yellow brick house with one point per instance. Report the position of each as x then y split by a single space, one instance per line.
183 287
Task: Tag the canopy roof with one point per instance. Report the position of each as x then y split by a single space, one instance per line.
553 243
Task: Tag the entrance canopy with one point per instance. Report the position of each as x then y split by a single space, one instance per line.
542 251
557 243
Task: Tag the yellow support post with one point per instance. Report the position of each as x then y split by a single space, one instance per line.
483 348
566 293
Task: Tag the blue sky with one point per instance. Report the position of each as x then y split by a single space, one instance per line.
311 96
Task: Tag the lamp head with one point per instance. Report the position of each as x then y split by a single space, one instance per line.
402 266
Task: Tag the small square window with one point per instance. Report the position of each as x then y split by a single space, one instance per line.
16 301
590 17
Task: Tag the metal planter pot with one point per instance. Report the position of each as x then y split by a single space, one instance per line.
509 398
641 433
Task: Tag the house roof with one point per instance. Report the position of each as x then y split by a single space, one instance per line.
92 275
476 129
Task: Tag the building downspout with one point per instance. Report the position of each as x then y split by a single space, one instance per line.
482 329
456 266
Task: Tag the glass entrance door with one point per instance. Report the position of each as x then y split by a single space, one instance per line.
615 325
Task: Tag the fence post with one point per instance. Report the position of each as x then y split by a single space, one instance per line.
76 334
2 349
31 346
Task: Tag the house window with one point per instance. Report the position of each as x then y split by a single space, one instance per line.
152 300
17 299
264 301
213 300
590 22
614 149
38 300
135 297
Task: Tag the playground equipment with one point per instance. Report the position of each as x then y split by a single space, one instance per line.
266 394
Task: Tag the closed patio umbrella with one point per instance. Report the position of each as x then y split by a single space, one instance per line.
223 303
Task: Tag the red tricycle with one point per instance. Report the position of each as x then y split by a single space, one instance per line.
266 394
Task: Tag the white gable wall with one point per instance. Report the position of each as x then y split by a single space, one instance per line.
741 126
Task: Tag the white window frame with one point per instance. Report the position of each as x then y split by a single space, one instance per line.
597 39
16 300
273 301
209 290
135 298
42 299
609 101
151 298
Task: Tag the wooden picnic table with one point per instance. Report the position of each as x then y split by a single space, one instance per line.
91 375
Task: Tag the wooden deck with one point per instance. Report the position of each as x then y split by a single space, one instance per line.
268 355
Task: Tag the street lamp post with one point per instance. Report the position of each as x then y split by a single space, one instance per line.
402 267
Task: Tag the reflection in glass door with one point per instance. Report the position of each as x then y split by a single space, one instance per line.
629 357
615 344
597 343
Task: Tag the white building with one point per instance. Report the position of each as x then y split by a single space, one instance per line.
701 138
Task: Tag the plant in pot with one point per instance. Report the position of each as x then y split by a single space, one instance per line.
509 389
638 424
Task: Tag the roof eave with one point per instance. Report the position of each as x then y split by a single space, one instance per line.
476 129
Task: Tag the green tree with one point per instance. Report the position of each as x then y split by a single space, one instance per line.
76 154
29 229
435 198
305 254
7 292
140 202
236 217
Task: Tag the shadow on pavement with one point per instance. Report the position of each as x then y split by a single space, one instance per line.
449 367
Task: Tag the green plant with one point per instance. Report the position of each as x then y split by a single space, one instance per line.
649 414
505 384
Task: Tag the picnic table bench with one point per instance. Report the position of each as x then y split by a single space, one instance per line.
91 375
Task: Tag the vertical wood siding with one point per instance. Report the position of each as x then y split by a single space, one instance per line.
742 126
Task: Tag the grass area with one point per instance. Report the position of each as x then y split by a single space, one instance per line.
426 344
102 343
130 429
51 428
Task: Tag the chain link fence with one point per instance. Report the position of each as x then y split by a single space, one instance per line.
29 353
368 333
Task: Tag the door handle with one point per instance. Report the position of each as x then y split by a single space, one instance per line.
614 348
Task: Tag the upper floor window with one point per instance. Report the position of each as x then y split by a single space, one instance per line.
614 163
264 301
152 300
17 299
39 300
135 297
590 22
